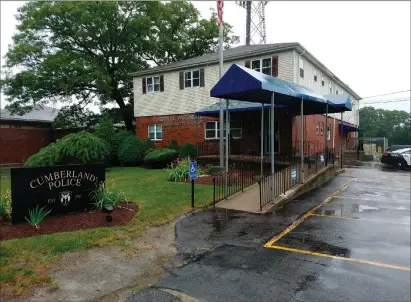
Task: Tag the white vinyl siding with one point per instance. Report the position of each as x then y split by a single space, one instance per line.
183 101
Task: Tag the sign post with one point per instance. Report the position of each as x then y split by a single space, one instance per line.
193 176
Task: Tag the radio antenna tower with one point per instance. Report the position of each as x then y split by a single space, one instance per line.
255 32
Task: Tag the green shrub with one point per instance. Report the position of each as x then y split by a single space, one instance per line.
82 148
105 194
122 135
179 170
174 145
148 151
160 157
5 204
75 148
107 133
147 145
188 150
46 157
36 216
131 151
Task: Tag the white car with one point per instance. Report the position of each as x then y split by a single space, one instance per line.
400 158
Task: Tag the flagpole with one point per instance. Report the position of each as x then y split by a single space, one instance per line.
220 5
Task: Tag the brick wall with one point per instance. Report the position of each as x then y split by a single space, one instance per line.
310 133
181 127
17 144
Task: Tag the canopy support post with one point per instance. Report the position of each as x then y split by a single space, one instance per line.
302 141
272 146
341 141
227 145
262 140
326 134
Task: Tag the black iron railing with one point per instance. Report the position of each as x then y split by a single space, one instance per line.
280 182
238 178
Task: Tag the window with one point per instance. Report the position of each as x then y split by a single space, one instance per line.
315 75
330 87
301 65
263 65
212 130
153 84
192 78
322 129
328 132
317 128
322 81
155 132
336 91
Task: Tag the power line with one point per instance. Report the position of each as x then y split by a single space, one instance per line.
387 101
373 96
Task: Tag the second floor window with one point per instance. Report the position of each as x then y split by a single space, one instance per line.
192 78
153 84
262 65
315 75
322 81
330 88
336 91
301 65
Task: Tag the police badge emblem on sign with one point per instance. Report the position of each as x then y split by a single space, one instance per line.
65 198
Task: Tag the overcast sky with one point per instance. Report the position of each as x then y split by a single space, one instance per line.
366 44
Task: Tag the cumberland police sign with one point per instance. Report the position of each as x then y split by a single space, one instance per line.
62 189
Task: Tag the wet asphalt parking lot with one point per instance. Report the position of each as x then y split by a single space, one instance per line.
346 241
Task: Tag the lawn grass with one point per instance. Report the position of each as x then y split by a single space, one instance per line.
24 262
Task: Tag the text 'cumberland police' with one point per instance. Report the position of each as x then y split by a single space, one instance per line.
64 178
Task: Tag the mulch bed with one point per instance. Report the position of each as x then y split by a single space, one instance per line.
70 222
202 180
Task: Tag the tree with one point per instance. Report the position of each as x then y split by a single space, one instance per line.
83 52
392 124
75 116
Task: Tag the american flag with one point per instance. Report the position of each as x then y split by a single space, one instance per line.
220 7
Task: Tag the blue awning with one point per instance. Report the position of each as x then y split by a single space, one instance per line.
340 101
348 128
244 84
234 106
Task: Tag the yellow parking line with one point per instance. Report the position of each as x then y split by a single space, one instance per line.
344 197
305 216
402 268
360 219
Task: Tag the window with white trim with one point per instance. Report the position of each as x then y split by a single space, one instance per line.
328 132
322 129
301 65
212 130
153 84
322 81
317 128
315 75
262 65
330 87
336 91
192 78
155 132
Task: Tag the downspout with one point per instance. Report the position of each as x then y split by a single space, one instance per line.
303 120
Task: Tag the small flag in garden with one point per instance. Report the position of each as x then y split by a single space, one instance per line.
220 7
